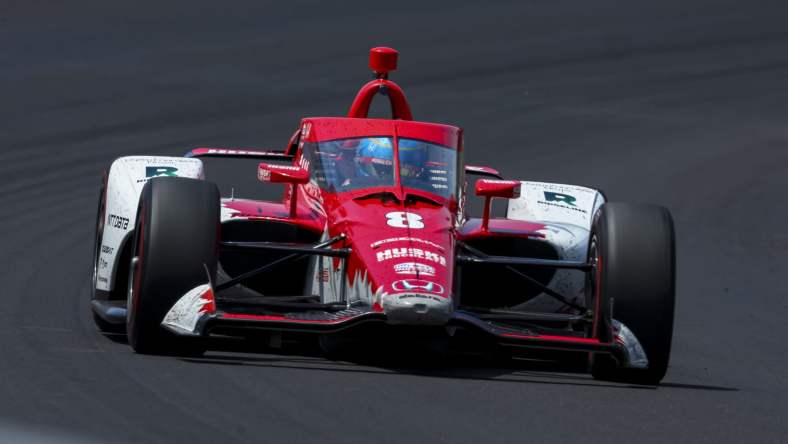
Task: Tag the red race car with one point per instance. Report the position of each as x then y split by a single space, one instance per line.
372 235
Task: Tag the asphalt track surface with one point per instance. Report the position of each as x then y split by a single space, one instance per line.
679 103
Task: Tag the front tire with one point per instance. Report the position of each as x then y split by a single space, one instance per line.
96 294
633 249
176 241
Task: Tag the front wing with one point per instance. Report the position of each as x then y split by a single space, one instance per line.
196 315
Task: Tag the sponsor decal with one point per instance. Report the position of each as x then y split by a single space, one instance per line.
560 200
160 160
419 296
417 253
159 171
243 152
414 268
102 263
304 162
403 219
440 185
103 279
118 222
417 285
314 197
439 178
156 171
438 172
560 197
107 249
285 167
313 191
502 182
376 244
264 170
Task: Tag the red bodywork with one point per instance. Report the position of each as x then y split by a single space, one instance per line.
405 240
401 242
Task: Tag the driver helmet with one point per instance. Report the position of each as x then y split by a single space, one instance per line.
412 157
375 157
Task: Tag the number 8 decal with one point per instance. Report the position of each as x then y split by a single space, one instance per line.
402 219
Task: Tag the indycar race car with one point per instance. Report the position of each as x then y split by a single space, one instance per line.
371 235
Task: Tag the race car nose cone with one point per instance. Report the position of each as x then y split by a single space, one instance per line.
417 309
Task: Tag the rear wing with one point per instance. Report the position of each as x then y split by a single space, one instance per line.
239 153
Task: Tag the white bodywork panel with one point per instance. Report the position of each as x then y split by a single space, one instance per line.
127 176
554 202
567 211
227 213
327 281
183 316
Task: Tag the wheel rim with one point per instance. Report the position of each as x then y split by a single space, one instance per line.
601 327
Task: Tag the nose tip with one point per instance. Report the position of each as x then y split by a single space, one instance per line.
417 309
420 308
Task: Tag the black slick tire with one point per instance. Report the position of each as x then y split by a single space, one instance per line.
633 247
96 294
175 242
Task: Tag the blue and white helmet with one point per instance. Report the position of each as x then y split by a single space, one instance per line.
375 157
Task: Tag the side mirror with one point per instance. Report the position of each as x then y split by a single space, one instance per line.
489 188
294 175
482 171
268 172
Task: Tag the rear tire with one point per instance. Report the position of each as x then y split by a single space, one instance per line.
176 239
633 247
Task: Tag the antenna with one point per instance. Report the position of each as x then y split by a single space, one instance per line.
382 60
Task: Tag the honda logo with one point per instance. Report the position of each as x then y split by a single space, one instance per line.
417 285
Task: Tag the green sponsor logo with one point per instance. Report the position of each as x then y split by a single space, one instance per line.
560 198
156 171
